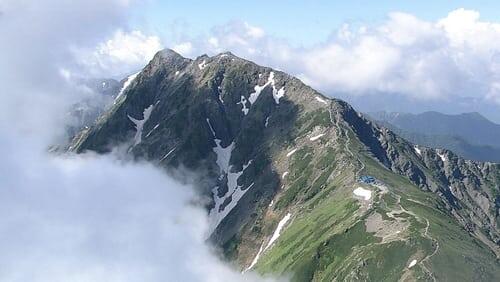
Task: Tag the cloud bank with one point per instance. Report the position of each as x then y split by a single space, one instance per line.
118 56
84 217
457 55
96 218
36 56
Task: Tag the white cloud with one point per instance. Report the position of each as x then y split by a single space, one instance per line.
97 218
405 29
340 66
124 52
465 30
185 48
458 55
35 54
253 31
83 218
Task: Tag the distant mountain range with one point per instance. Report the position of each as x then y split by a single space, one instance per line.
84 113
469 134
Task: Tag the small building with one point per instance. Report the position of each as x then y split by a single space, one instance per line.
367 179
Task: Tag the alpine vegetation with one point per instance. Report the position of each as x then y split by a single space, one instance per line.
123 160
304 186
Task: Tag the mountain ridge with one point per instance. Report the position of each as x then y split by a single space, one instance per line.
465 143
279 153
473 127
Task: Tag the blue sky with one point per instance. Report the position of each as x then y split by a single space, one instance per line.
300 22
413 55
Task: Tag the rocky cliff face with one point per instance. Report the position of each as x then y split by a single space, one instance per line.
470 189
280 165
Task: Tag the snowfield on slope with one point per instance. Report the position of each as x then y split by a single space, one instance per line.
273 239
139 124
363 193
277 93
126 84
442 157
417 150
234 192
412 263
314 138
291 152
321 100
277 232
284 175
202 65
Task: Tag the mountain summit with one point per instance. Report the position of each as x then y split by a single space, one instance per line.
301 184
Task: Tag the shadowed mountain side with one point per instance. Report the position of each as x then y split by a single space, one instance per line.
283 169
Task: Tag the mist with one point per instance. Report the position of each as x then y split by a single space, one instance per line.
98 218
85 217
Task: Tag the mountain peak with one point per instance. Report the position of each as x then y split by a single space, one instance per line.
169 56
269 147
168 53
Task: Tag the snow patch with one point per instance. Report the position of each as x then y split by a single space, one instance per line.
442 157
363 193
417 150
258 89
412 263
277 232
321 100
291 152
452 191
202 65
284 175
243 102
139 123
151 131
220 94
167 154
267 122
314 138
275 237
255 259
223 153
177 73
234 191
277 94
126 84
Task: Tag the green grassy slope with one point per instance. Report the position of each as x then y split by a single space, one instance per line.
327 239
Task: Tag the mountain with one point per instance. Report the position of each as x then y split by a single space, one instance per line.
471 128
470 135
456 144
84 113
303 185
395 102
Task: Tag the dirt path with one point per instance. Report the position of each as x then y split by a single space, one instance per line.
344 131
401 209
425 232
